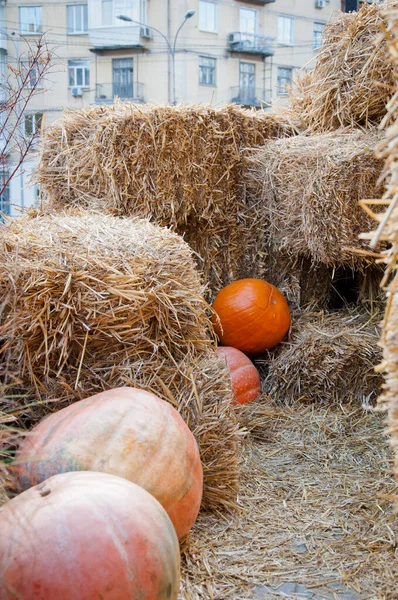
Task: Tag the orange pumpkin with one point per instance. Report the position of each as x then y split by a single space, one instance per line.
246 384
253 314
126 432
87 535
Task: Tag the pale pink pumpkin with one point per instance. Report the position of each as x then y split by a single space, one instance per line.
126 432
246 384
87 535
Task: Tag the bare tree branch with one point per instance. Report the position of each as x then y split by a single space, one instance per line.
18 87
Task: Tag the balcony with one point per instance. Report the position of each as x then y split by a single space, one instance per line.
113 38
248 43
248 96
105 93
258 2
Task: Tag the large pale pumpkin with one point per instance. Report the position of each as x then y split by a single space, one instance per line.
246 384
253 316
126 432
80 536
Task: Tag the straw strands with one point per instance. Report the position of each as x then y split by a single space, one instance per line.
353 77
310 187
328 357
92 302
387 230
178 166
314 521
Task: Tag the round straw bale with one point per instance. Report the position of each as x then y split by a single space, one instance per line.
93 302
353 78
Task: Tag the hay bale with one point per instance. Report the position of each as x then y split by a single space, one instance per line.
328 358
178 166
310 188
353 78
93 302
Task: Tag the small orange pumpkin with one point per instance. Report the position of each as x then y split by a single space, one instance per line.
246 384
87 535
126 432
253 314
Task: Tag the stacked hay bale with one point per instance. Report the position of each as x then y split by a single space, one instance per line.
179 166
352 78
92 302
311 186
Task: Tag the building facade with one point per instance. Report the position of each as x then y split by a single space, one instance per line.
163 51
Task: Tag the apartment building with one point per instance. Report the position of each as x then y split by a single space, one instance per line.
161 51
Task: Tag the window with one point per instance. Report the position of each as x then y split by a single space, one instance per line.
207 70
77 18
33 123
79 73
285 30
247 79
208 16
107 12
32 72
248 21
285 75
110 9
5 206
318 30
122 71
30 19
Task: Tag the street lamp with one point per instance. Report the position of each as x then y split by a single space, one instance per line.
171 48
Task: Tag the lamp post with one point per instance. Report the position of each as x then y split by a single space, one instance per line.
171 48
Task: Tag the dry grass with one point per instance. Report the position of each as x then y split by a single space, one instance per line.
310 187
327 358
178 166
313 512
353 78
92 302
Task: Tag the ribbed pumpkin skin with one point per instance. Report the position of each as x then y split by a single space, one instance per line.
254 316
126 432
246 384
85 536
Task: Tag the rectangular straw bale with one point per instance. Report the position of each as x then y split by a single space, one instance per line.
328 358
178 166
353 78
93 302
310 188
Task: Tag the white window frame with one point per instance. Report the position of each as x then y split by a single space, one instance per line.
35 116
31 84
317 34
252 10
135 9
204 5
71 10
83 64
282 38
281 89
24 21
5 204
203 68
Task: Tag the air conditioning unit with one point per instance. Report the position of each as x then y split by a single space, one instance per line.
146 32
320 3
234 38
77 91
